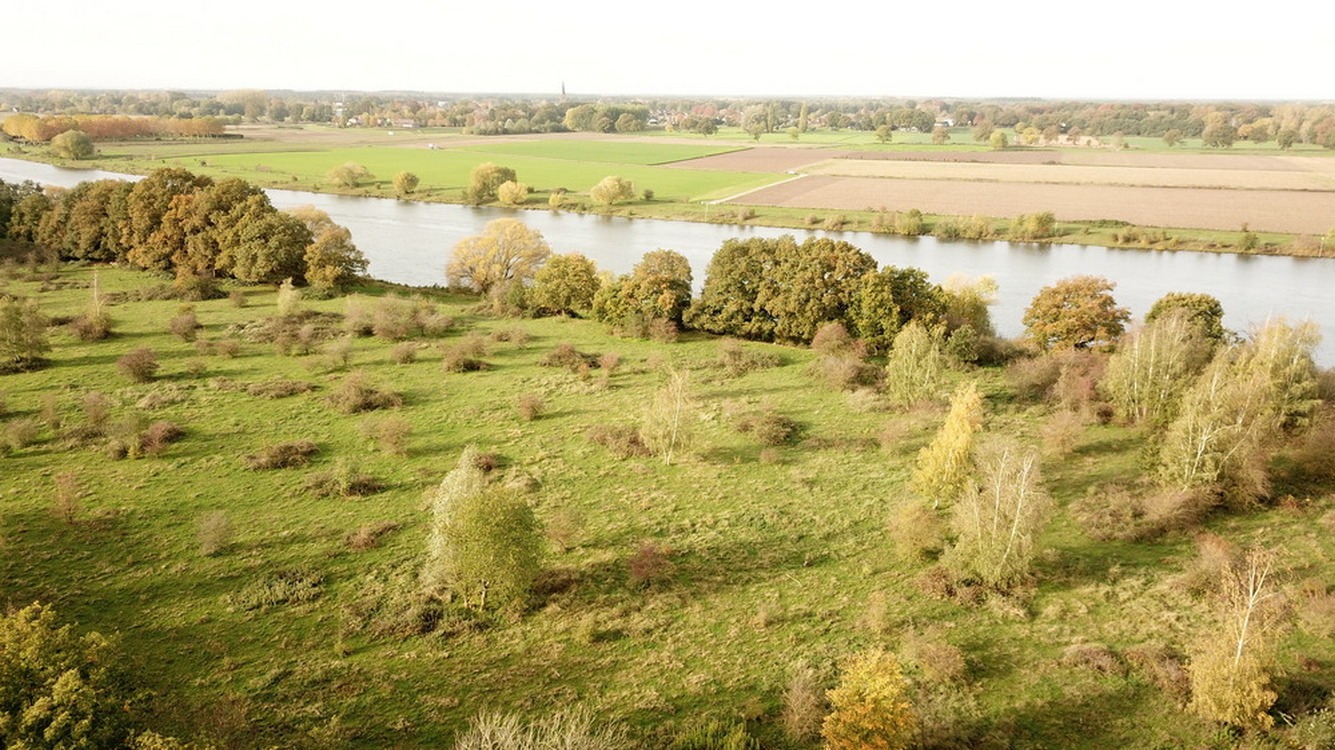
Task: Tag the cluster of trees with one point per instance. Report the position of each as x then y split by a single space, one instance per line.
42 129
176 221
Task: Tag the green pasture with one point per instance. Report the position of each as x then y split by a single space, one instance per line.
611 151
779 556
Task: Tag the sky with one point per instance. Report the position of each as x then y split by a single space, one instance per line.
1137 49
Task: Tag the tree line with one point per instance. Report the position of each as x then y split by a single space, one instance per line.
177 222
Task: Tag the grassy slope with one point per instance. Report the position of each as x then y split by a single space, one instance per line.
776 560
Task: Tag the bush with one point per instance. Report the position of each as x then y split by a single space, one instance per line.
139 365
289 586
278 388
356 394
184 326
344 480
715 735
404 353
804 705
737 360
623 441
939 661
869 709
215 533
390 434
158 435
1093 656
915 531
282 456
530 407
769 427
649 565
369 536
21 433
565 355
65 504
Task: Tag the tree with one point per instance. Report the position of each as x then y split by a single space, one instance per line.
884 134
485 543
1285 138
73 144
816 284
268 246
565 285
999 517
611 190
485 179
1203 311
1075 313
869 708
149 201
967 301
629 123
944 467
332 260
507 250
998 140
1219 134
405 183
23 339
59 689
1172 137
889 299
916 366
512 193
1231 665
940 136
666 427
658 288
1154 366
349 174
730 302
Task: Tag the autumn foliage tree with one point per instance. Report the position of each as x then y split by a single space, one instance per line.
999 517
485 180
1075 313
870 708
507 250
944 467
565 285
612 190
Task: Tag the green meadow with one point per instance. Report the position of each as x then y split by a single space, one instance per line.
773 557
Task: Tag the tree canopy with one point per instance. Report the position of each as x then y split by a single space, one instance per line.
507 250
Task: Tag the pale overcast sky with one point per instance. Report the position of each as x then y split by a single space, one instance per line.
1139 49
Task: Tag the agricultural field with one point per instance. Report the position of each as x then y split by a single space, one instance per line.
274 607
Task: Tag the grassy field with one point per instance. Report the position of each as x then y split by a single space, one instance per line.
779 556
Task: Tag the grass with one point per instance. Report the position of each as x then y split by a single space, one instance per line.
799 536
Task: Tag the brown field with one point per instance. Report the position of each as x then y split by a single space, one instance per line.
1299 212
1143 175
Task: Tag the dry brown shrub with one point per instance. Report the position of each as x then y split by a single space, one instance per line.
487 462
1214 556
517 336
403 353
282 455
50 411
139 365
356 394
565 355
915 531
875 617
158 435
237 298
832 339
456 359
344 480
1061 432
1032 378
650 565
472 345
91 327
390 434
1162 667
1093 656
769 427
368 536
1316 611
804 704
865 401
21 433
847 371
663 331
226 348
565 528
530 406
66 504
737 360
936 582
938 660
96 409
622 441
215 533
1076 387
185 326
278 388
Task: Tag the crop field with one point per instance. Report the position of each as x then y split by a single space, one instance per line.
772 557
1298 212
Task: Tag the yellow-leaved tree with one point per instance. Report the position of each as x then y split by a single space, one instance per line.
869 708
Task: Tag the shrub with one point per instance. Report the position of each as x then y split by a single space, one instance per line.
649 565
1061 432
237 298
282 455
456 360
278 388
215 533
289 586
569 730
1093 656
835 222
158 435
21 433
139 365
530 407
565 528
369 536
915 531
769 427
939 661
390 434
356 394
737 360
65 504
804 705
565 355
184 326
832 339
909 223
847 371
403 353
943 467
869 708
289 299
1162 667
622 441
344 480
998 519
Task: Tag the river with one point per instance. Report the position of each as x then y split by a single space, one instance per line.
407 242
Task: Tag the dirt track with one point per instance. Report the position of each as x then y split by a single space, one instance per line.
1264 210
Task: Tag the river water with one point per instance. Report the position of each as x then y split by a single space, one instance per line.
407 242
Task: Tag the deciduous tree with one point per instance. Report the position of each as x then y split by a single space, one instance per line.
349 174
612 190
405 183
23 342
73 144
566 284
999 517
870 708
944 467
485 179
1076 313
507 250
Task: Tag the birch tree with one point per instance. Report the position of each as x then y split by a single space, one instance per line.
943 468
667 420
999 517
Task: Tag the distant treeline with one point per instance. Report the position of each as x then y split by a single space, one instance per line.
1259 122
177 222
40 129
